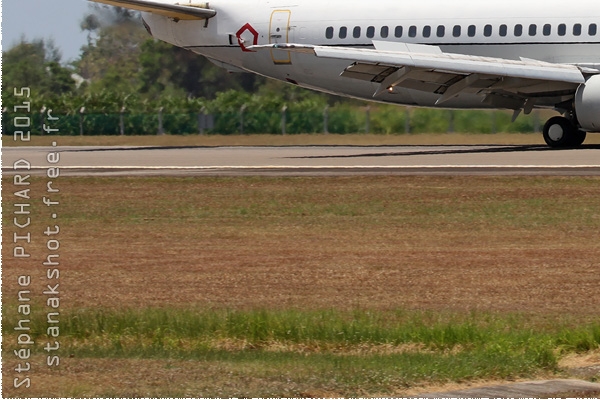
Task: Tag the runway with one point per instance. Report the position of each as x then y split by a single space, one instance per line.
308 160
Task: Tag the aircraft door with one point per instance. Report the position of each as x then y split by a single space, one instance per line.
279 32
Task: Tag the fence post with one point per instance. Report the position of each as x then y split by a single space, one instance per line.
536 122
242 109
451 122
202 120
326 120
81 111
122 121
283 119
406 120
4 111
368 119
160 121
42 118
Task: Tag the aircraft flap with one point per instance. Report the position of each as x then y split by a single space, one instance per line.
458 63
427 68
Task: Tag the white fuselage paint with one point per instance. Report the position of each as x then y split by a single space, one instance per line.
571 37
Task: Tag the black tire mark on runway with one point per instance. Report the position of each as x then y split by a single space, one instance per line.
471 150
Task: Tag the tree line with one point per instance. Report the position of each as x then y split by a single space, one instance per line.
124 81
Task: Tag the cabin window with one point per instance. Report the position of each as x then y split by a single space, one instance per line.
441 31
356 32
343 32
503 30
398 31
577 29
426 31
518 30
532 30
371 32
487 31
593 30
412 31
385 31
472 30
562 30
456 31
547 30
329 32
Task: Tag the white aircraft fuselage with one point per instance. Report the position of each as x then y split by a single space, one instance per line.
306 22
252 35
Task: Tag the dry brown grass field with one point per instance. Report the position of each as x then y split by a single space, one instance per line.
493 243
528 245
277 140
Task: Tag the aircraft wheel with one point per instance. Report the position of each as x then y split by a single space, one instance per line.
559 132
578 138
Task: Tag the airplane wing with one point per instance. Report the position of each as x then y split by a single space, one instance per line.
512 84
184 9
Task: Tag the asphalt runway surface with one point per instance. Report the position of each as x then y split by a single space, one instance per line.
309 160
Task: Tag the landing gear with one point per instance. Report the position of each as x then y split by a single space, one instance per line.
559 132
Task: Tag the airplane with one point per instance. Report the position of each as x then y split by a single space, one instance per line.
518 55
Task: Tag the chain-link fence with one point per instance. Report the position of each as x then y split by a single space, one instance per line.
342 120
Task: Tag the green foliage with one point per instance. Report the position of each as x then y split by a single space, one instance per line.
344 118
306 115
429 120
170 70
238 111
35 65
388 119
111 62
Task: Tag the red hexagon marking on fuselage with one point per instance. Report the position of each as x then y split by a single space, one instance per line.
242 42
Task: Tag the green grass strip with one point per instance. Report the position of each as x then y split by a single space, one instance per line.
432 331
348 353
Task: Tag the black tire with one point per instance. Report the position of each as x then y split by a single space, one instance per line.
578 138
559 132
